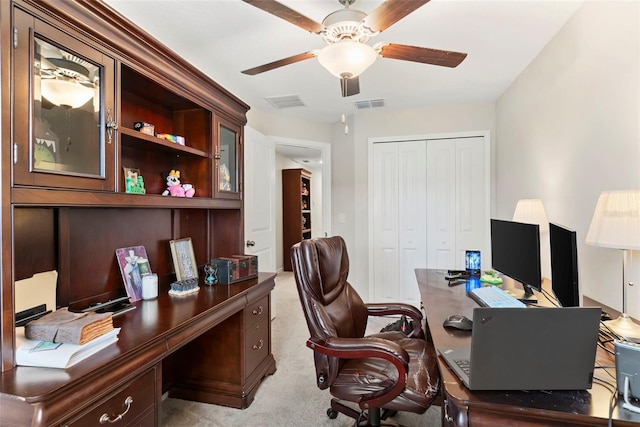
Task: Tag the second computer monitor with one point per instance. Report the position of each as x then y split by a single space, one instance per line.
564 265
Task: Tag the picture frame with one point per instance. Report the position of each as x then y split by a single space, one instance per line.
133 182
134 265
184 260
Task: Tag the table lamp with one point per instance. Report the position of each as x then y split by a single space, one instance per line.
531 211
616 224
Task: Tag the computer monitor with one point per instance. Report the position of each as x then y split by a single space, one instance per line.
564 265
515 252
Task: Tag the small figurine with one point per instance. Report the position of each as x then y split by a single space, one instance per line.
174 188
211 274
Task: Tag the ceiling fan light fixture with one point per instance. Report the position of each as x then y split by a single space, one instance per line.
66 83
65 93
347 58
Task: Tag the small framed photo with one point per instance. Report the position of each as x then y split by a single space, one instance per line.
134 266
184 260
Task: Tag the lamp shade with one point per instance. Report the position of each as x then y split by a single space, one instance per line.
347 58
66 93
531 211
616 221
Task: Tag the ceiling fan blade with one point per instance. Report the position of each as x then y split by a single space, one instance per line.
390 12
350 86
288 14
425 55
280 63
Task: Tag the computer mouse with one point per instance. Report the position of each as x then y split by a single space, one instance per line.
458 321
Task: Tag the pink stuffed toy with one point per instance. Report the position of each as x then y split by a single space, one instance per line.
174 188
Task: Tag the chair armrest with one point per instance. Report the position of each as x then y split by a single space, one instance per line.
360 348
385 309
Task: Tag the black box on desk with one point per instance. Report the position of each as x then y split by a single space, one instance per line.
236 268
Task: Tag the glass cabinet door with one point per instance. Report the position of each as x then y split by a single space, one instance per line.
228 166
66 110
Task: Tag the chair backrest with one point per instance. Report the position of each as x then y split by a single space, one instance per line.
331 306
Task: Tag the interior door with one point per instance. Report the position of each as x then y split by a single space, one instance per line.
412 221
385 222
471 218
259 197
399 219
456 201
441 204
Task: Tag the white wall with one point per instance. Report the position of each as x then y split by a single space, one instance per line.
272 124
569 128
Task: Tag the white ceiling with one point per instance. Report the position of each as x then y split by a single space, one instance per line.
224 37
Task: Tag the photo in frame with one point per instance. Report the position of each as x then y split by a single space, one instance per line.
134 265
133 182
184 260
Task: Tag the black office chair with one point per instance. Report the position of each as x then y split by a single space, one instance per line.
386 371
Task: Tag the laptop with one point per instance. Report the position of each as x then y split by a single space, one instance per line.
528 349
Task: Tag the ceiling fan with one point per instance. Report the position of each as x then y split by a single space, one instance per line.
346 32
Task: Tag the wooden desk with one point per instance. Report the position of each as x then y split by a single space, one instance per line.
213 346
462 407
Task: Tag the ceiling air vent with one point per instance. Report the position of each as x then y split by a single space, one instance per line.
286 101
369 103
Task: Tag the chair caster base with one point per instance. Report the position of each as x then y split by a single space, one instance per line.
362 419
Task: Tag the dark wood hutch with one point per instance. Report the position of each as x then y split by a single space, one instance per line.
65 207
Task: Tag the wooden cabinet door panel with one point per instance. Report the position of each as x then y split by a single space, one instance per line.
59 141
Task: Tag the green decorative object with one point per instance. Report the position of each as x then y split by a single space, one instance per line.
135 186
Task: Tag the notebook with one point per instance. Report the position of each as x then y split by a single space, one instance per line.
529 349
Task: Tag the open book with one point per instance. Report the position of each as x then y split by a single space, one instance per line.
58 355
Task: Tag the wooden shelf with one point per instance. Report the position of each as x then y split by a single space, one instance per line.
296 220
30 196
159 143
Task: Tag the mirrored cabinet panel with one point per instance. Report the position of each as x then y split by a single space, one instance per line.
66 113
228 151
67 128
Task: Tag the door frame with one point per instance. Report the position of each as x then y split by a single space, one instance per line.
486 134
325 154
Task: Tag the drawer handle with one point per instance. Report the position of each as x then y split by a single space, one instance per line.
259 345
258 311
105 418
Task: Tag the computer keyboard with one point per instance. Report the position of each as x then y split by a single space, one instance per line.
494 297
464 364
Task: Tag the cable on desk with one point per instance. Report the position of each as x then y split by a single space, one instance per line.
605 348
551 298
613 401
607 372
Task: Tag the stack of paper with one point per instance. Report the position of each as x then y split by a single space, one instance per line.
58 355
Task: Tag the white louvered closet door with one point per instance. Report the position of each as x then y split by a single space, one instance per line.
399 221
456 201
430 204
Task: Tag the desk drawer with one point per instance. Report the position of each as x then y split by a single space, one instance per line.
256 345
257 311
133 401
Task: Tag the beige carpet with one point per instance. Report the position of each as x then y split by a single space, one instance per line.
289 398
